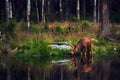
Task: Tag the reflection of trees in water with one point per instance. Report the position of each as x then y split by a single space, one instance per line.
115 69
108 69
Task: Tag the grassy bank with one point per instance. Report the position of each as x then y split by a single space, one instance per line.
36 41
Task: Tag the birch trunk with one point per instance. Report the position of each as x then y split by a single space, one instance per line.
94 11
78 9
28 14
61 11
43 11
37 11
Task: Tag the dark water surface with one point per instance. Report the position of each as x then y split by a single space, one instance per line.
64 69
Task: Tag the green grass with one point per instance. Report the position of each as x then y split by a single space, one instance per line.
33 47
37 40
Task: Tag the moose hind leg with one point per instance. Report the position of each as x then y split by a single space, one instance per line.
85 54
89 55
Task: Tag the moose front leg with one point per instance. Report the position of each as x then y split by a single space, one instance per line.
85 55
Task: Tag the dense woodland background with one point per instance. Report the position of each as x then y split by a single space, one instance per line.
58 10
36 11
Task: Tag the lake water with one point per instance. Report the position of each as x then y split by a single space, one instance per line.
35 68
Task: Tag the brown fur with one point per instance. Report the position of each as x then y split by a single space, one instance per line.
85 47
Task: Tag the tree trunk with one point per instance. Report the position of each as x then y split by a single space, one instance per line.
104 31
84 9
98 9
94 11
67 11
10 8
28 14
8 73
48 10
61 11
37 11
28 73
7 11
78 9
43 11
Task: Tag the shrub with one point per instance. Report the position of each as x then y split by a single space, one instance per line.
34 29
75 19
59 29
85 24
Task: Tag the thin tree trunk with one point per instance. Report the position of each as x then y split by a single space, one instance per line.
67 10
28 14
28 73
8 73
37 11
84 9
105 24
61 71
48 10
94 11
78 9
98 19
61 11
43 11
7 11
10 8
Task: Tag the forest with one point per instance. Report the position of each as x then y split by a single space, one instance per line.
27 23
41 10
87 34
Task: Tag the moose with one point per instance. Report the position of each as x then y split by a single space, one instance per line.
84 46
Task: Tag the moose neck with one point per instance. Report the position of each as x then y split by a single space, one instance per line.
77 46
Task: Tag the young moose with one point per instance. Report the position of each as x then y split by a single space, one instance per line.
85 47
